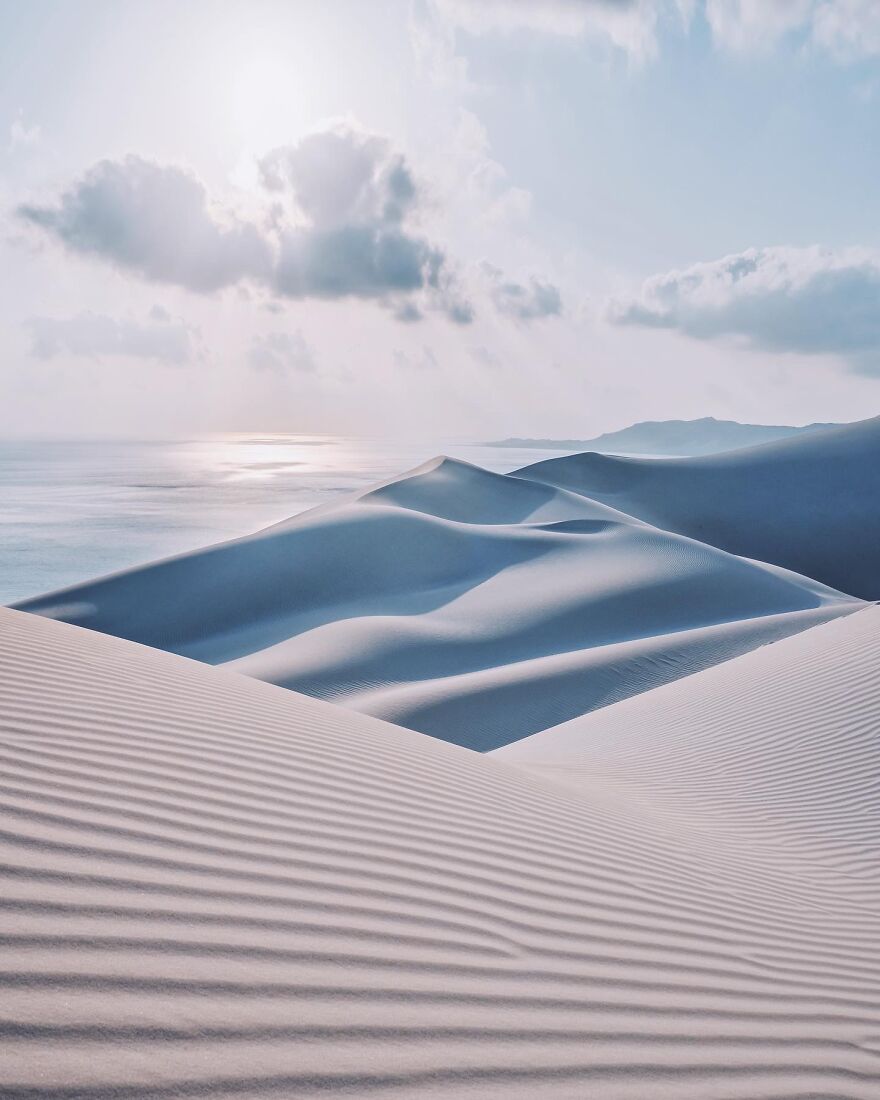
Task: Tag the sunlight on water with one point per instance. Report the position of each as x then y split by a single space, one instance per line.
74 510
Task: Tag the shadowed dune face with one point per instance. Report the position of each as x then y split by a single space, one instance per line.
811 504
213 888
474 606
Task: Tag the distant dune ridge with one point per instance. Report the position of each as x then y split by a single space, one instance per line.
474 606
811 503
215 888
673 437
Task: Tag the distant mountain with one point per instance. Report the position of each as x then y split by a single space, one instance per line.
672 437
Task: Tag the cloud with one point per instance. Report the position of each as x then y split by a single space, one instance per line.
743 25
356 197
342 226
847 29
627 25
809 300
343 176
523 302
156 221
360 261
97 336
282 352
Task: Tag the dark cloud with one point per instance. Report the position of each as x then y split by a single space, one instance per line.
341 226
361 261
95 335
808 300
281 353
524 302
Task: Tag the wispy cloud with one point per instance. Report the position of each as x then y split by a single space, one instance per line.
281 353
425 360
529 301
847 29
94 335
627 25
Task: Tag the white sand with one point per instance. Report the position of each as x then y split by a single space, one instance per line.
780 745
473 606
214 888
810 503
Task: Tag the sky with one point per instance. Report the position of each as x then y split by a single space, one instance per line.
473 218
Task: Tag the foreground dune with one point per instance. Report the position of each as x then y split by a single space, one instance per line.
473 606
215 888
810 503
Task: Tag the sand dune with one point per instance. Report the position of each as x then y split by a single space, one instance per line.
474 606
811 503
782 744
214 888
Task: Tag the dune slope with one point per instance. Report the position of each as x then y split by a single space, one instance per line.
781 744
810 503
473 606
214 888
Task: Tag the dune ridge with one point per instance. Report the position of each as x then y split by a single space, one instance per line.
216 888
474 606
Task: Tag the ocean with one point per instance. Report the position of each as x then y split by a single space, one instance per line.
72 510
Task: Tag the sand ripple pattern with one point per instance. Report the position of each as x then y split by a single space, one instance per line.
216 888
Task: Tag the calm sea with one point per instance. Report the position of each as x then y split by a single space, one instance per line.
74 510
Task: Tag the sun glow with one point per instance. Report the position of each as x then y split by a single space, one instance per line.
262 87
